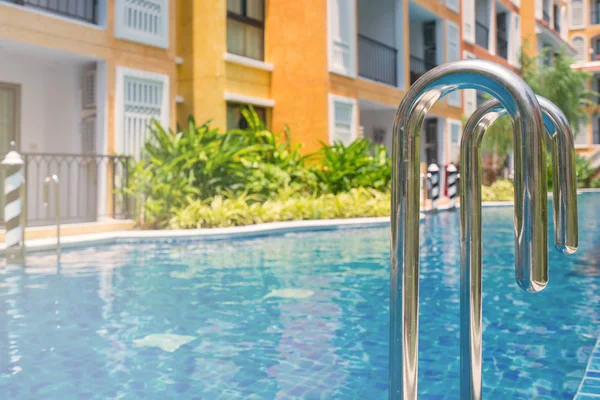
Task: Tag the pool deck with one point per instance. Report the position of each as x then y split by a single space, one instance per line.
275 228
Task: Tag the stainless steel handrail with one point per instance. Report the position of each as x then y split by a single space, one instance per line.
565 227
531 221
49 180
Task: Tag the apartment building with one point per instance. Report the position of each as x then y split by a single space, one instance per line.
497 30
584 36
79 81
330 70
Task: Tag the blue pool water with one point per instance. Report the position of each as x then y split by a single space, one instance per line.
294 316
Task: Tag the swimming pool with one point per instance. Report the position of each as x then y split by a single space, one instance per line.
293 316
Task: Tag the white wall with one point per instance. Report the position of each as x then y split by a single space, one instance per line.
50 122
376 20
378 119
50 103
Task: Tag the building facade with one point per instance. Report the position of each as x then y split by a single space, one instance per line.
584 36
330 70
80 79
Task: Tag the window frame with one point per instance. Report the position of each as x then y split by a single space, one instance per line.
333 99
258 109
244 19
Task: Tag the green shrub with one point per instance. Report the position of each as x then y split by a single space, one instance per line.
200 163
228 210
501 190
360 164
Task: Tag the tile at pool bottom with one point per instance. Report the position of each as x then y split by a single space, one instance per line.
299 316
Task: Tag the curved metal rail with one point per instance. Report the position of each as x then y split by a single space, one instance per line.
565 222
531 222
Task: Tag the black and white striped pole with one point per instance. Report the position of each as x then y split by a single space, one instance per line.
14 185
451 183
433 177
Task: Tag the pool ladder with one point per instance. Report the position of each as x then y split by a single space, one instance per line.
531 116
52 180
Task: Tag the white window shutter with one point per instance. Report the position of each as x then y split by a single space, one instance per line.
452 5
453 54
470 95
454 129
143 21
342 36
517 3
539 9
343 119
514 40
577 12
468 20
89 89
88 135
581 136
578 43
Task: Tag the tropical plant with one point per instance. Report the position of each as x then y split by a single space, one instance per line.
559 83
359 164
501 190
199 163
584 171
227 210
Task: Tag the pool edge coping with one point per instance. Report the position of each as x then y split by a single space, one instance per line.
241 232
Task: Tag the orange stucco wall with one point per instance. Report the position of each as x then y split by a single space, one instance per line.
296 44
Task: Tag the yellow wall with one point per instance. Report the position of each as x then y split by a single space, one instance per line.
202 41
300 80
249 81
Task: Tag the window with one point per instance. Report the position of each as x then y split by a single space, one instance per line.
88 135
89 89
343 118
235 119
341 15
578 44
581 136
141 97
246 28
143 21
455 131
453 54
577 14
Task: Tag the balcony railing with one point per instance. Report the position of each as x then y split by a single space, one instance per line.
546 16
501 44
377 61
418 67
482 34
92 187
83 10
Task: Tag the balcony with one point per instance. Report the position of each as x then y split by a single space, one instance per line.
501 44
81 10
418 67
482 34
377 61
